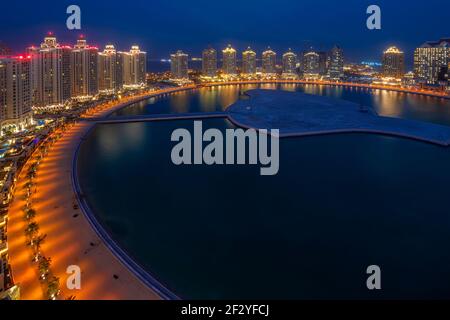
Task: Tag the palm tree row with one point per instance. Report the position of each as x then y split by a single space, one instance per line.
35 238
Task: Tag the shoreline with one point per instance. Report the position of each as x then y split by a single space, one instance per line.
136 285
332 84
71 240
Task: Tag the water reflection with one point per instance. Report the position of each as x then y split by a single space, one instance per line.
386 103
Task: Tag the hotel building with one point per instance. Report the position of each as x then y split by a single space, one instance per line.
430 59
248 62
15 94
336 64
229 61
209 62
393 63
84 70
289 65
269 61
50 69
179 65
110 70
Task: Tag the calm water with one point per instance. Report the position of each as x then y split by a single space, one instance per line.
339 204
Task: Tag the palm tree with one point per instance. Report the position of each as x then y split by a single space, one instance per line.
53 288
44 267
32 229
37 242
30 214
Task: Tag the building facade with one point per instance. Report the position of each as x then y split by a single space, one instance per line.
15 94
311 65
289 65
134 68
269 61
248 62
84 70
393 63
229 65
429 60
180 65
110 70
336 64
209 62
51 72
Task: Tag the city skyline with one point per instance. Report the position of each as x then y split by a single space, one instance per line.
119 139
305 25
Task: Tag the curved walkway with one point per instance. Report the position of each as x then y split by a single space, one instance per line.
70 238
298 114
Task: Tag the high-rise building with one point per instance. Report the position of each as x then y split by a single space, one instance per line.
84 69
229 61
134 67
269 61
139 65
323 62
336 64
50 69
430 58
311 65
110 65
393 63
444 76
289 64
209 62
249 61
179 65
15 93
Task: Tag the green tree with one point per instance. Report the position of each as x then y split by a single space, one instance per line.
30 214
53 288
32 229
44 267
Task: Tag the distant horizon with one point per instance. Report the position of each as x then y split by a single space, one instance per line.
161 27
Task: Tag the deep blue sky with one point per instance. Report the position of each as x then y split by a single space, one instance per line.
163 26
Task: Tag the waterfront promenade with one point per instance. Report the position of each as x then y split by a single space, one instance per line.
70 238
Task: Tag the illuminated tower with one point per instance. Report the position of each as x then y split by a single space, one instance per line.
179 65
229 61
138 65
336 64
289 64
430 58
311 65
110 67
249 61
15 93
269 61
134 65
50 69
209 62
393 63
84 69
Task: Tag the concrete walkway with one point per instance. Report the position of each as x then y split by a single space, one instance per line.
299 114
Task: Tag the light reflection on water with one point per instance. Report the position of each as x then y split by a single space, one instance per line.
386 103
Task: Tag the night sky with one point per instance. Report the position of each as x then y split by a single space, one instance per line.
162 26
